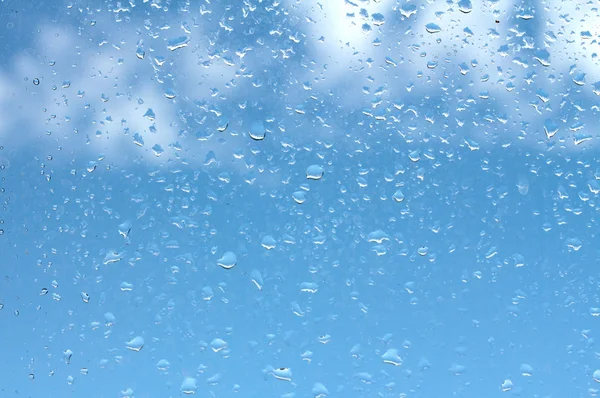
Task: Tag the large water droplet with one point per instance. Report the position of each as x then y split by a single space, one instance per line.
257 131
299 197
268 242
163 365
178 42
135 344
218 345
189 386
398 196
507 385
392 357
543 57
432 28
282 374
314 172
228 260
319 390
465 6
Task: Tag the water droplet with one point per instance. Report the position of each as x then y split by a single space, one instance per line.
284 374
579 79
228 260
398 196
140 53
43 292
257 279
31 376
135 344
268 242
574 243
67 354
309 287
299 197
432 28
124 229
378 19
378 236
314 172
112 257
178 42
543 57
392 357
163 365
189 386
319 390
257 131
170 93
218 345
507 385
408 9
465 6
222 125
85 297
36 81
526 370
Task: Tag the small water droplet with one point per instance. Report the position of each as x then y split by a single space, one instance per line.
36 81
85 297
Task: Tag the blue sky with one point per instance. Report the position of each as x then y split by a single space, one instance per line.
281 198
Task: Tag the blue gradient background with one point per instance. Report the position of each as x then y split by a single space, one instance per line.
485 269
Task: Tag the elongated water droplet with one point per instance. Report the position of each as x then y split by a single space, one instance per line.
432 28
178 42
